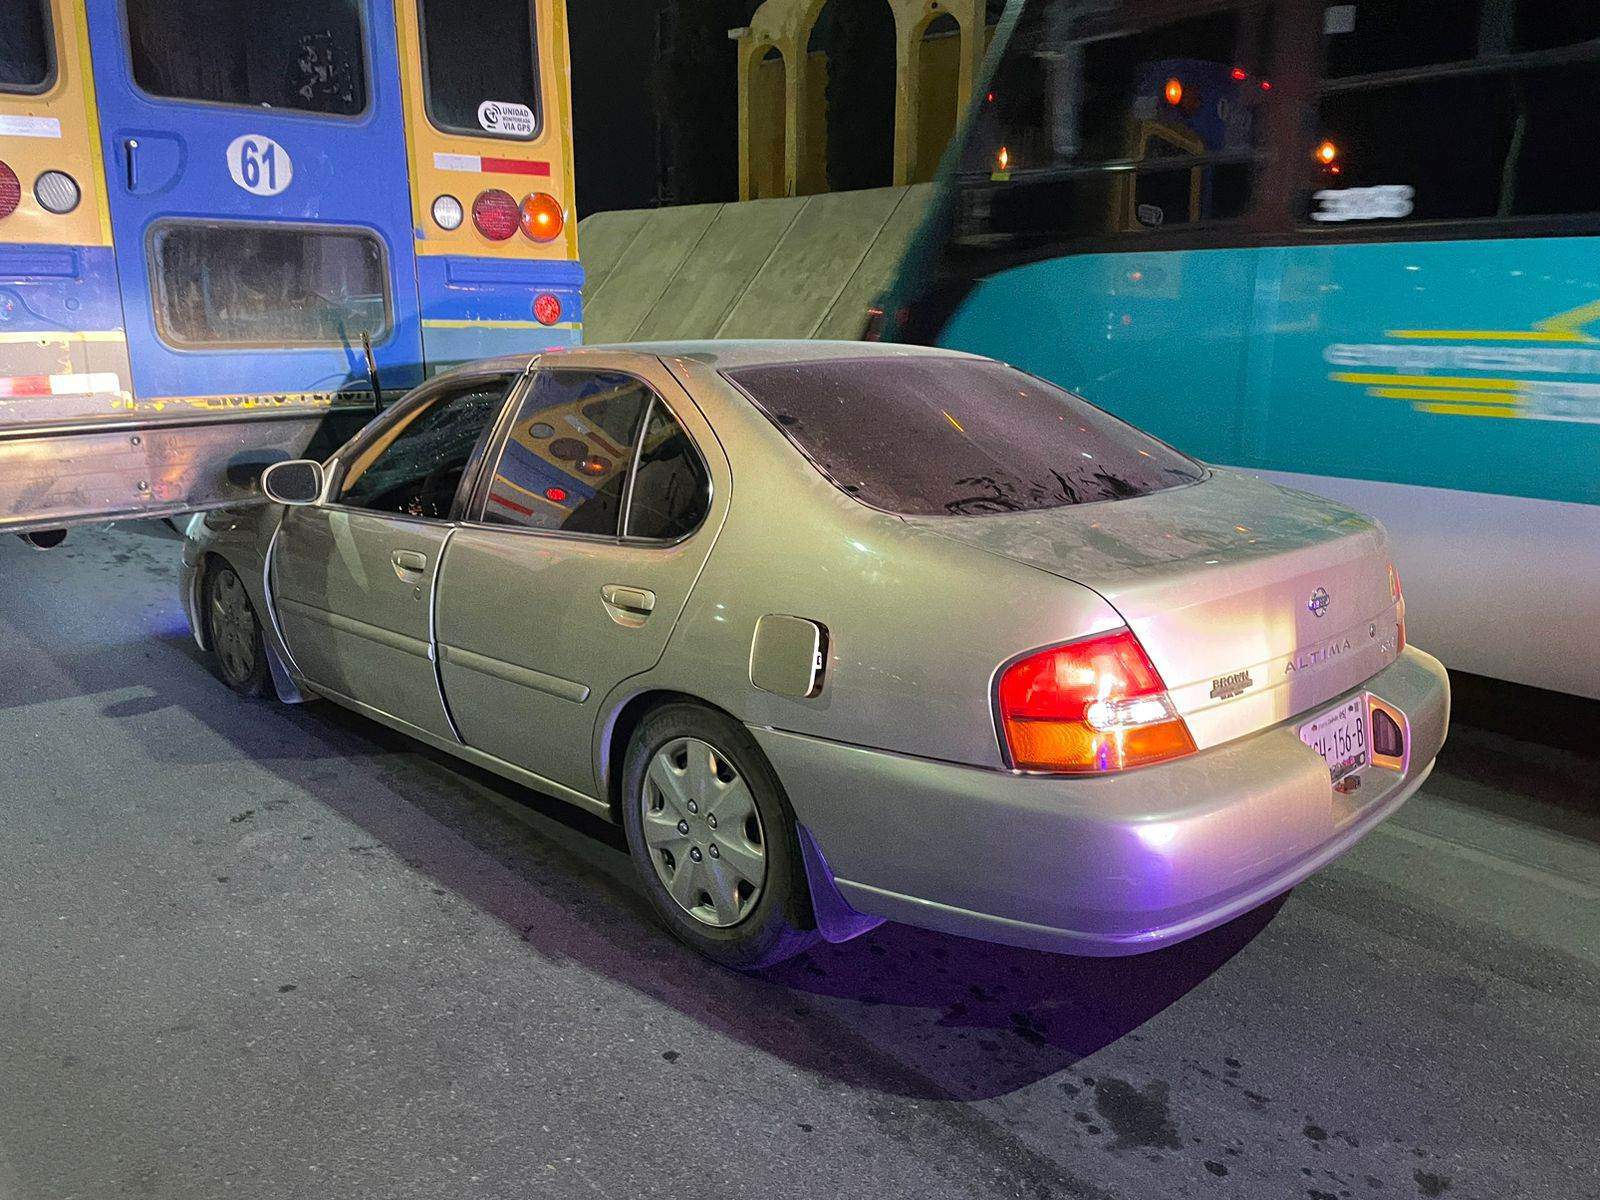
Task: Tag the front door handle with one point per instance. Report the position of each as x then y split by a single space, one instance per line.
628 606
409 563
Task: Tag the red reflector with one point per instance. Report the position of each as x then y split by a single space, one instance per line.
547 309
556 495
495 214
541 217
1093 705
10 191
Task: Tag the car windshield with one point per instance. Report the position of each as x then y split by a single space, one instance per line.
939 436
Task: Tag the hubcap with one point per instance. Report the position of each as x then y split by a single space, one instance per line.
703 832
233 626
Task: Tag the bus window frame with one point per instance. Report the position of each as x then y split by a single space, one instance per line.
1302 230
158 285
47 8
479 131
1253 224
362 114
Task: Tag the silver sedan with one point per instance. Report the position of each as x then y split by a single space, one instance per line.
844 632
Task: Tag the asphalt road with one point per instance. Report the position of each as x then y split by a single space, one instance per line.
261 951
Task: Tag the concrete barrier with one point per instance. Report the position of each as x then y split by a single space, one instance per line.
801 267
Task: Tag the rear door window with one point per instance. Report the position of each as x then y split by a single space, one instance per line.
929 436
413 466
672 490
231 283
481 70
305 55
26 59
564 466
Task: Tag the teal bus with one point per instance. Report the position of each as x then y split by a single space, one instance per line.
1349 247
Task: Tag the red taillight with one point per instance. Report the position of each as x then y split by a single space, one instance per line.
1399 597
1089 706
10 191
541 217
547 309
495 214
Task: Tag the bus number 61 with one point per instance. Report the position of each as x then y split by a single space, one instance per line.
259 165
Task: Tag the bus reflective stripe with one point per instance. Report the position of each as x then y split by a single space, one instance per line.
480 165
59 385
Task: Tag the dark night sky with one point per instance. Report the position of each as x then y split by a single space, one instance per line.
634 150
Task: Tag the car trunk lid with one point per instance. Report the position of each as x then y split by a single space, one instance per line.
1255 603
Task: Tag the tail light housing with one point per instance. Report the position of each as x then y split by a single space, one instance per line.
541 217
57 192
547 308
10 191
1090 706
1399 597
494 213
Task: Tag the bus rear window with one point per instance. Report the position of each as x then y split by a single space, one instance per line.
481 69
26 63
266 285
935 436
295 54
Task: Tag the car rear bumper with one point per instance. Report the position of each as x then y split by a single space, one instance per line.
1113 865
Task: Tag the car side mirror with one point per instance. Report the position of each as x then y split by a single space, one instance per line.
297 482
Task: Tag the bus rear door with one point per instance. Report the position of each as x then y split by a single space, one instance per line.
256 165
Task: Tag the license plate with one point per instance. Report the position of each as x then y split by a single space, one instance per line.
1340 736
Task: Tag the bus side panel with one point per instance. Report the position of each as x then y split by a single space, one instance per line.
478 295
1159 339
1469 365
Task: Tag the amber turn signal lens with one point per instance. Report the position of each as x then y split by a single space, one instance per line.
541 217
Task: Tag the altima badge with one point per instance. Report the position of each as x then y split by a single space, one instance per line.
1318 604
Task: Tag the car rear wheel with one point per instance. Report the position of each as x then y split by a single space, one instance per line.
235 633
714 840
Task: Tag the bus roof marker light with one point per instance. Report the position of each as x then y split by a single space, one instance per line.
1239 74
447 214
1173 91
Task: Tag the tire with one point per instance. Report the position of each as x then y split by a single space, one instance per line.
733 887
234 631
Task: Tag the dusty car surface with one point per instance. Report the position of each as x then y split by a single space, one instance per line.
843 632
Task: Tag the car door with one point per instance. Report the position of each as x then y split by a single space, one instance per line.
591 523
353 578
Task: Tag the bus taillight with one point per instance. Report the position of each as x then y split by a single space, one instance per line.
447 212
495 214
10 191
57 192
541 217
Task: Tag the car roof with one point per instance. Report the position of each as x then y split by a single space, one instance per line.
722 355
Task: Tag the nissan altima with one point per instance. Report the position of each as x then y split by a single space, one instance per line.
843 632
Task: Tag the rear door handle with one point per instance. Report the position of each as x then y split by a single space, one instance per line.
628 606
409 563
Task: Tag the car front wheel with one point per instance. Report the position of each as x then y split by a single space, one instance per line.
714 839
235 633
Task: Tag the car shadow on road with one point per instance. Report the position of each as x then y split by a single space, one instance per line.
900 1010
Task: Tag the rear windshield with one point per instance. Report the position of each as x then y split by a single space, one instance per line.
953 436
479 59
25 64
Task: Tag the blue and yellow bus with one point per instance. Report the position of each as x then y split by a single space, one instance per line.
225 224
1353 247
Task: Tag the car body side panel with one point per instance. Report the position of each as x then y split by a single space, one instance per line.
916 624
